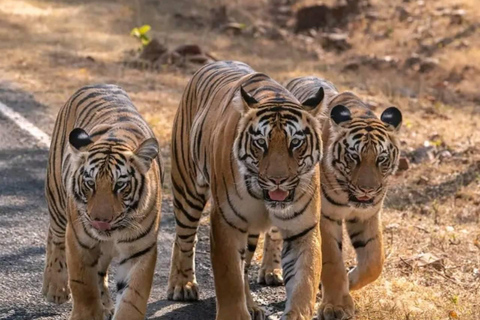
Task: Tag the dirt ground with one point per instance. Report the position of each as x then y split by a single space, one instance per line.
422 56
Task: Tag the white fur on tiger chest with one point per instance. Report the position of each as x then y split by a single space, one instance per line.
251 209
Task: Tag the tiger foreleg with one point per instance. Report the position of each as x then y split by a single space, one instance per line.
82 260
55 277
255 311
302 267
134 280
102 273
336 300
228 250
270 272
366 238
182 282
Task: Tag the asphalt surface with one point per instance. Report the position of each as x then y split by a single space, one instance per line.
24 223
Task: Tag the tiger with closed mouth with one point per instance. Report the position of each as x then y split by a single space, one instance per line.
361 153
242 140
103 191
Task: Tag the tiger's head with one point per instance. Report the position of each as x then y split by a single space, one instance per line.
363 151
277 147
108 180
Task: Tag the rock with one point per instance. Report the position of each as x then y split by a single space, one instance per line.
193 53
428 64
425 210
420 63
372 61
153 51
193 19
351 66
457 16
335 41
423 180
403 14
320 16
403 164
429 259
233 28
423 154
219 16
188 49
444 154
392 227
414 59
200 59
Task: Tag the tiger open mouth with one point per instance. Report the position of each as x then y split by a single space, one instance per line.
279 195
364 200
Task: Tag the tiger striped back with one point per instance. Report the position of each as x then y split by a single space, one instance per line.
244 140
103 193
304 87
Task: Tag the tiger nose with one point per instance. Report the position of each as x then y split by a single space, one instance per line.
367 189
278 180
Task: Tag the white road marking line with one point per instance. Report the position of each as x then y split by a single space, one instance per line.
25 125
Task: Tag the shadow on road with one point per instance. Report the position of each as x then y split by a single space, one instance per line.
204 309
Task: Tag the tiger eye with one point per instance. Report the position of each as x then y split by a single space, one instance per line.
262 142
296 142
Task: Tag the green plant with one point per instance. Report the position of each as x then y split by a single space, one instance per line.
141 34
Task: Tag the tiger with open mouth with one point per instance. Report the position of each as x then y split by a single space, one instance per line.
103 190
361 153
242 140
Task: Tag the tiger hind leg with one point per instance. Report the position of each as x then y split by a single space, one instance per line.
55 277
366 237
270 272
188 207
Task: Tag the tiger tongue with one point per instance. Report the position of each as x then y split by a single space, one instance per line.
278 195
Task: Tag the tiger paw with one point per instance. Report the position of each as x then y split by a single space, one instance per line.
108 313
256 313
182 290
296 315
328 311
55 286
234 315
107 302
90 314
270 277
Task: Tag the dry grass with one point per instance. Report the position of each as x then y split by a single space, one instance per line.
432 208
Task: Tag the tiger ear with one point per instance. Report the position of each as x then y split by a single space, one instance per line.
340 114
313 103
79 139
146 152
392 117
244 101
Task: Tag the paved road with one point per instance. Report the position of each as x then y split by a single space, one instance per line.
23 225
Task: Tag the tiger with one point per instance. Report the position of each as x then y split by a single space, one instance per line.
103 191
245 143
361 153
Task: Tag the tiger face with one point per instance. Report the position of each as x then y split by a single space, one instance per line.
108 181
277 148
363 152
